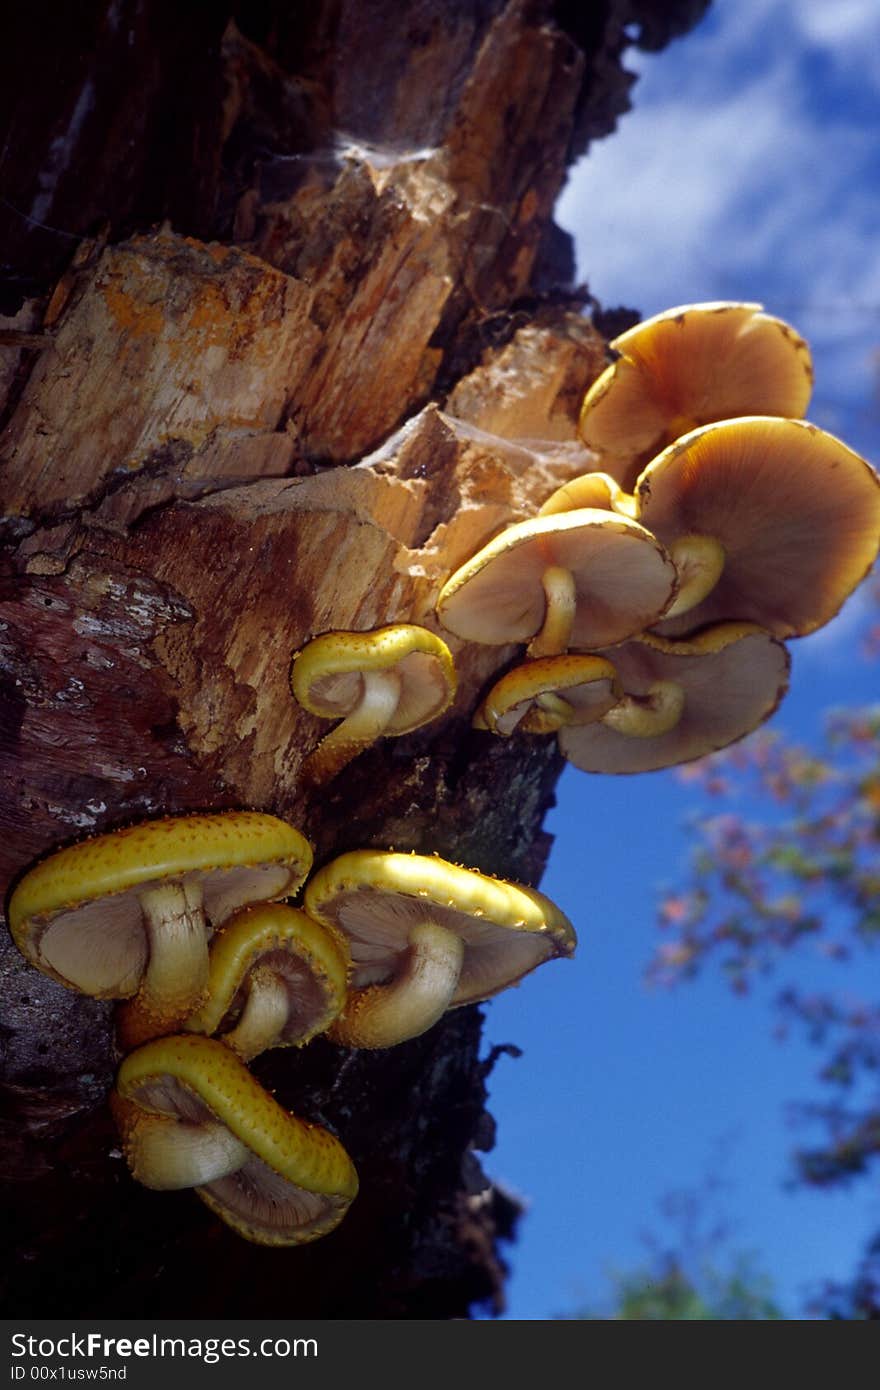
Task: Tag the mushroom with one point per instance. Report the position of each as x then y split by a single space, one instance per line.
191 1115
585 579
386 682
698 559
767 520
275 978
542 696
690 366
597 490
131 912
683 699
426 936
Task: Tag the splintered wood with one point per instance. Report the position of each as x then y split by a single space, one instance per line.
169 573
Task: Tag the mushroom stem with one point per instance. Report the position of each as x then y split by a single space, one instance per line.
366 723
648 715
168 1154
383 1015
699 561
560 593
550 712
176 976
263 1017
510 721
543 715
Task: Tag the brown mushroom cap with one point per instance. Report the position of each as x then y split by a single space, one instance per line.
90 915
732 677
623 581
379 899
795 511
188 1109
544 695
275 978
690 366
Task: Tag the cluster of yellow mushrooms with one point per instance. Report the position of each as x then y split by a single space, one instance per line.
655 594
183 919
654 598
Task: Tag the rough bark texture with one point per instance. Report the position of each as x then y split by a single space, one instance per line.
334 370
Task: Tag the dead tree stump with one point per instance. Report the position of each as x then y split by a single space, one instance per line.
287 336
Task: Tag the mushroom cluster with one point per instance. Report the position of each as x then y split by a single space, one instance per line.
656 593
130 915
183 919
654 597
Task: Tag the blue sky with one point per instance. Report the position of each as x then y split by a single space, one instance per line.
749 169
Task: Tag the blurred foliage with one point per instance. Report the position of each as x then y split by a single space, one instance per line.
668 1293
794 882
807 879
689 1277
859 1300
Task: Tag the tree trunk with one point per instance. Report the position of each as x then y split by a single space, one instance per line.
287 338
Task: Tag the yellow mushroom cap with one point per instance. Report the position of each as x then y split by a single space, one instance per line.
76 914
623 578
543 695
796 512
298 1181
310 961
376 897
597 490
327 674
689 366
733 677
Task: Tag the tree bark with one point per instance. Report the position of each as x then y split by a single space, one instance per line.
287 338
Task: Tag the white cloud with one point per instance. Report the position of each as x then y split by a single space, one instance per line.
699 196
658 210
848 31
746 172
842 23
843 33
